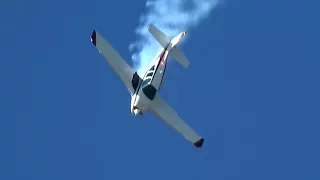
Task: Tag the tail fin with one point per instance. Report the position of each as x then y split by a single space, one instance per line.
171 45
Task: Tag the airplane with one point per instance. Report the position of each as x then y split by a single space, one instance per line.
144 90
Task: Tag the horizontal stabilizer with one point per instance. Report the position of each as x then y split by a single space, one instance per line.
170 45
163 39
178 55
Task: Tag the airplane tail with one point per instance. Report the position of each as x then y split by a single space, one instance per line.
170 44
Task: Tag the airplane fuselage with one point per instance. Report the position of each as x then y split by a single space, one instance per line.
150 84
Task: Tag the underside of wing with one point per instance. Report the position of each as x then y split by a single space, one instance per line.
163 110
118 64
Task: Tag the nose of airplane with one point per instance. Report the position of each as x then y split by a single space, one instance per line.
135 111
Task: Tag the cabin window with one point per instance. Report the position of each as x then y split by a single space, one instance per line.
145 82
150 74
150 91
152 68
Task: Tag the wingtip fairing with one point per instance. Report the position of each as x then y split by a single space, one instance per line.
94 37
199 143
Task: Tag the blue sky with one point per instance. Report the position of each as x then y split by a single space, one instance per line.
252 91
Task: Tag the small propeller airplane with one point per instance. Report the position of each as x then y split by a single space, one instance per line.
144 90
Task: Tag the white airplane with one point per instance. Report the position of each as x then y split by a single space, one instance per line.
144 90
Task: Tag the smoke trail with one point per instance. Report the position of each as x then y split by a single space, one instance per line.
171 17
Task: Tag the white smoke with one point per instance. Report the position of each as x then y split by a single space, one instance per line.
171 17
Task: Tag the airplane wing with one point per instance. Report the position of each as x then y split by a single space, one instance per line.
118 64
163 110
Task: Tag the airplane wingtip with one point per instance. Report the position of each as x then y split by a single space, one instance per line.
94 37
199 143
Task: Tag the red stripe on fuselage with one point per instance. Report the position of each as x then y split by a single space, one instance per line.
161 55
159 58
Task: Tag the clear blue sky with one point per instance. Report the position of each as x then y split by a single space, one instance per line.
252 91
